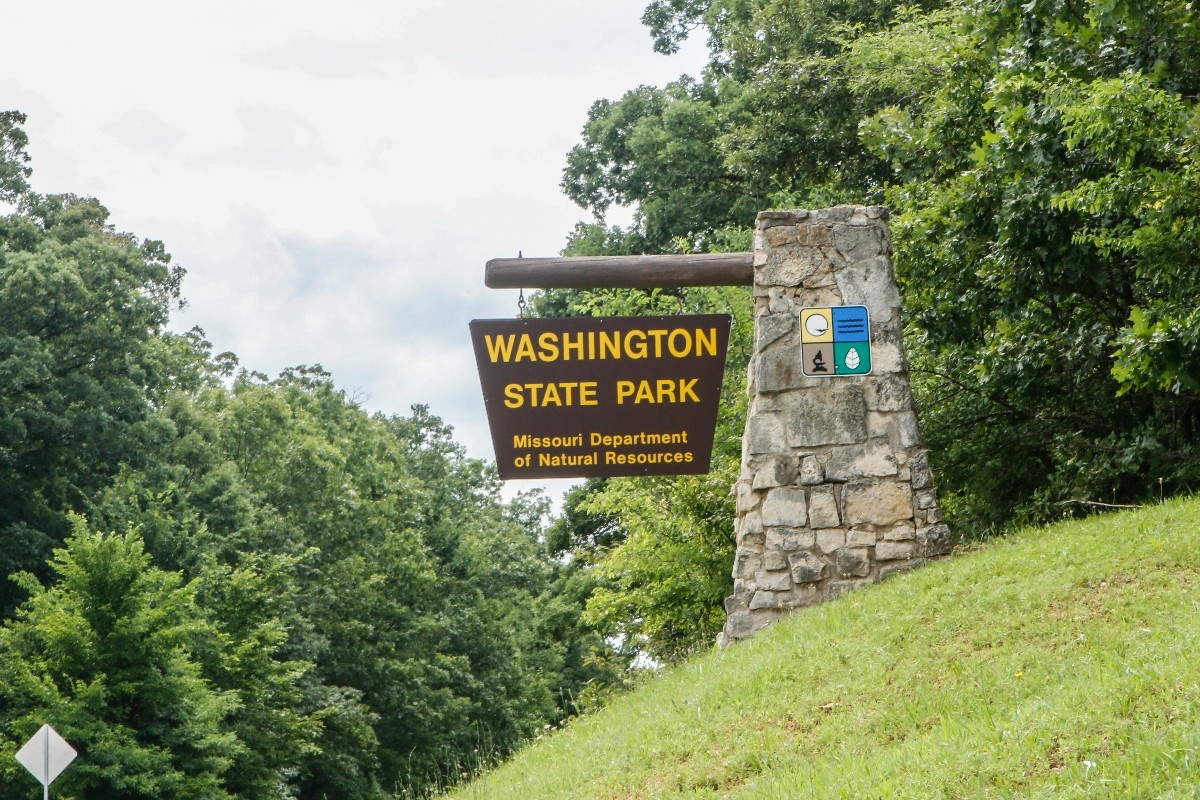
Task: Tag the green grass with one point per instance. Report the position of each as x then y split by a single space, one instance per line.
1058 662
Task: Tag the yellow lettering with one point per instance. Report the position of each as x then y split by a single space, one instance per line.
709 344
679 352
624 389
513 398
525 348
666 389
610 344
499 348
644 393
548 341
685 390
568 346
587 394
657 334
638 351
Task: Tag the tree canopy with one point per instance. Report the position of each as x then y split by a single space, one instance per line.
218 584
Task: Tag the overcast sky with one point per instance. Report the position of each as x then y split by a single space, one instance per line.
331 176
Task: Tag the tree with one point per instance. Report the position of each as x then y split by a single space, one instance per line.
111 655
83 360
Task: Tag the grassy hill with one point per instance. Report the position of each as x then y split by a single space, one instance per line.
1059 662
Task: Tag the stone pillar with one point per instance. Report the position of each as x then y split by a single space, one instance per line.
835 490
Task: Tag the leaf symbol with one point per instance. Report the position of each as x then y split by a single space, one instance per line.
852 359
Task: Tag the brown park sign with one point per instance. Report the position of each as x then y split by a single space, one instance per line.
583 397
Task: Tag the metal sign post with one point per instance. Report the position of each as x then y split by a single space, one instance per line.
46 755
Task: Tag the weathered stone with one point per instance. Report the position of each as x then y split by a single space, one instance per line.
854 562
734 604
806 567
746 564
876 502
907 431
790 539
770 219
773 581
830 540
789 267
785 507
840 213
744 625
831 413
752 522
858 242
861 538
926 499
869 283
778 471
769 328
747 499
811 471
922 477
902 532
779 235
933 515
893 551
814 235
888 393
780 300
778 370
874 459
934 540
754 540
822 507
774 560
886 358
764 434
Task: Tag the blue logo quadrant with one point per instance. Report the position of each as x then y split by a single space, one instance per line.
850 324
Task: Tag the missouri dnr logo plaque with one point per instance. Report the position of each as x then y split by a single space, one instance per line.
589 397
835 340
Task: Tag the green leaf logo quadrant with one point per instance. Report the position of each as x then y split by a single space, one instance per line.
835 340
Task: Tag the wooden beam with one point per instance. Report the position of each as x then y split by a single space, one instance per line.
621 272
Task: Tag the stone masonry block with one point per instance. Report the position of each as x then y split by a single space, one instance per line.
893 551
811 471
934 540
854 562
774 560
830 540
769 328
874 459
806 567
765 434
773 581
858 242
788 540
832 413
876 502
785 507
823 507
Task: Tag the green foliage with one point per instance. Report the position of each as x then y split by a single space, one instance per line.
658 552
111 656
1039 163
82 364
310 601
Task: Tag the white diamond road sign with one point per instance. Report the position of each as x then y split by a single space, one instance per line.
46 755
